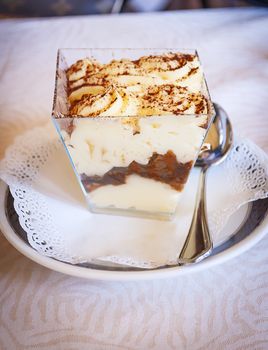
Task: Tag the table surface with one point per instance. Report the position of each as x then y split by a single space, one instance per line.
225 307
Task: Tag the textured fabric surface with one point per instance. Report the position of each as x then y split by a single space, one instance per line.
225 307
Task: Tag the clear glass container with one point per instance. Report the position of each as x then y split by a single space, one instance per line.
129 165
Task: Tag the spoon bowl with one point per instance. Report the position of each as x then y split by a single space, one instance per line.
220 139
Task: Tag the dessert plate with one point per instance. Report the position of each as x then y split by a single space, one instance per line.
244 229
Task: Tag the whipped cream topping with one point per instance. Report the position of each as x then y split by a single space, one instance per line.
152 85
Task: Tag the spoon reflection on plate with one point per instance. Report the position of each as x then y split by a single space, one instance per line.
198 244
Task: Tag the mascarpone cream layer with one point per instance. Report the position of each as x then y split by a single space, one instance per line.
96 145
131 195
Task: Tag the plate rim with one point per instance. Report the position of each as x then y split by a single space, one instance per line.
110 275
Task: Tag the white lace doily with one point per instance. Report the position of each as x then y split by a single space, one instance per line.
52 210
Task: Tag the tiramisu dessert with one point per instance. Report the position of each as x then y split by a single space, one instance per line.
133 129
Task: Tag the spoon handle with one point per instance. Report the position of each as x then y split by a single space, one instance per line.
198 244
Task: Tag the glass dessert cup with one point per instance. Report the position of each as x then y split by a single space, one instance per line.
135 165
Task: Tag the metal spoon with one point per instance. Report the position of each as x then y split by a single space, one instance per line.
198 244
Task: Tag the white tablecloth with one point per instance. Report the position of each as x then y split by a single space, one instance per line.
225 307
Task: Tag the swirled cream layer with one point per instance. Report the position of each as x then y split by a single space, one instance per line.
152 85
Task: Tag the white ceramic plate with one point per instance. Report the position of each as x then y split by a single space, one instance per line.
245 228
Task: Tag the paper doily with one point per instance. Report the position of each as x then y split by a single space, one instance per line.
67 231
